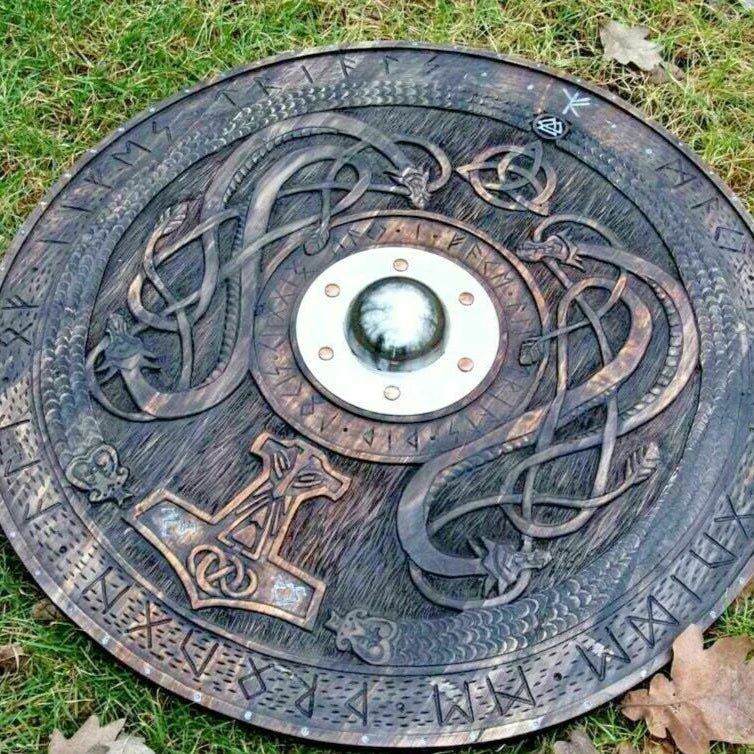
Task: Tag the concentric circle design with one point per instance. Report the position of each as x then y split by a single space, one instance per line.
464 332
381 433
219 466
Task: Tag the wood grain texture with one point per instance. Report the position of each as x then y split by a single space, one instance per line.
184 488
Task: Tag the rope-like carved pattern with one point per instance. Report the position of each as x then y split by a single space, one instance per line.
476 633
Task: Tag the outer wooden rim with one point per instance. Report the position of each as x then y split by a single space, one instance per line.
353 739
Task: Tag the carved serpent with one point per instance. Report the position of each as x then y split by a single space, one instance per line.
537 426
470 635
123 350
486 632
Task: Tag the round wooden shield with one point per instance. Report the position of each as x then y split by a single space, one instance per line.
390 395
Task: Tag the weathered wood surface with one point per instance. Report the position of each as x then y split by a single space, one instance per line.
182 485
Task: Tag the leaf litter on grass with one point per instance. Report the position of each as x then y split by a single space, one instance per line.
93 738
708 697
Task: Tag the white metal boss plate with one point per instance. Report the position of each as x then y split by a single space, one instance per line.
472 339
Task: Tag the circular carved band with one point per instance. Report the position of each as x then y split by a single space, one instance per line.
302 549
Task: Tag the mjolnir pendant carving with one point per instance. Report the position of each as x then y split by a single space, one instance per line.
232 558
388 395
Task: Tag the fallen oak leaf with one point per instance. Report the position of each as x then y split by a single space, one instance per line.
12 658
90 736
709 696
123 745
578 743
628 44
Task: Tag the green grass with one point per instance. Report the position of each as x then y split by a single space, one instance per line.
70 72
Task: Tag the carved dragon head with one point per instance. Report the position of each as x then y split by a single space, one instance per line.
553 247
416 180
124 351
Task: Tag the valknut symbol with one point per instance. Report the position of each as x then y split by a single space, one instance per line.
549 126
231 559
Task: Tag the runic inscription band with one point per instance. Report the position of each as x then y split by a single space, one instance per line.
384 395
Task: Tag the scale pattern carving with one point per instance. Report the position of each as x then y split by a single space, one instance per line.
617 348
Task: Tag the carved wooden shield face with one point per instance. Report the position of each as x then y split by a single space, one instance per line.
389 395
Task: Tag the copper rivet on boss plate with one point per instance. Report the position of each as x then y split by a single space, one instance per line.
465 364
326 353
392 392
400 265
332 290
466 298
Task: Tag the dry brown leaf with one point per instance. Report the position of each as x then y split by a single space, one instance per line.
710 696
628 44
45 612
90 736
12 658
578 743
123 745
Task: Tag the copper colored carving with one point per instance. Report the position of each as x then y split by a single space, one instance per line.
388 395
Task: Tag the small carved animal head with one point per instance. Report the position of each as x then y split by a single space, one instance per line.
124 351
298 469
553 247
532 351
504 564
367 636
316 474
99 473
417 182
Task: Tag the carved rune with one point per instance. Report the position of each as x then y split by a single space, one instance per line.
231 559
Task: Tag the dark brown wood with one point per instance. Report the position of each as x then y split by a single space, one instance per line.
189 490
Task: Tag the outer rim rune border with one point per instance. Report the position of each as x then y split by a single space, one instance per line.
275 724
